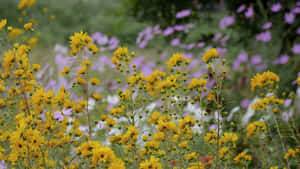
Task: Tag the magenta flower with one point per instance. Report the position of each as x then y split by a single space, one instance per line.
267 25
276 7
241 8
256 59
264 36
289 18
183 13
226 21
249 13
296 48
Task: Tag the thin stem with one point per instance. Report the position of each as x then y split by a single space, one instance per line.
282 143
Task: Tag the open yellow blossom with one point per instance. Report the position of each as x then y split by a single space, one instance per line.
197 83
242 158
255 128
176 60
94 81
28 26
298 80
210 54
2 23
264 79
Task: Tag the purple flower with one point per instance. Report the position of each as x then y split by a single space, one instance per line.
297 3
217 37
289 18
200 44
296 48
286 116
267 25
249 13
168 31
175 42
183 13
236 64
190 46
256 59
212 127
67 112
3 165
226 21
298 31
222 51
243 57
58 115
284 59
276 7
287 102
296 10
264 36
179 27
241 8
245 103
197 74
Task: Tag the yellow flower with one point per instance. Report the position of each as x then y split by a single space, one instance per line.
110 122
65 71
298 80
2 23
32 41
176 60
291 153
197 83
79 41
255 128
26 3
80 80
94 81
97 96
210 54
242 158
28 26
14 33
262 80
264 102
153 163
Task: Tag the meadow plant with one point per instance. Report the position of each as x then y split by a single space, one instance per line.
166 119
